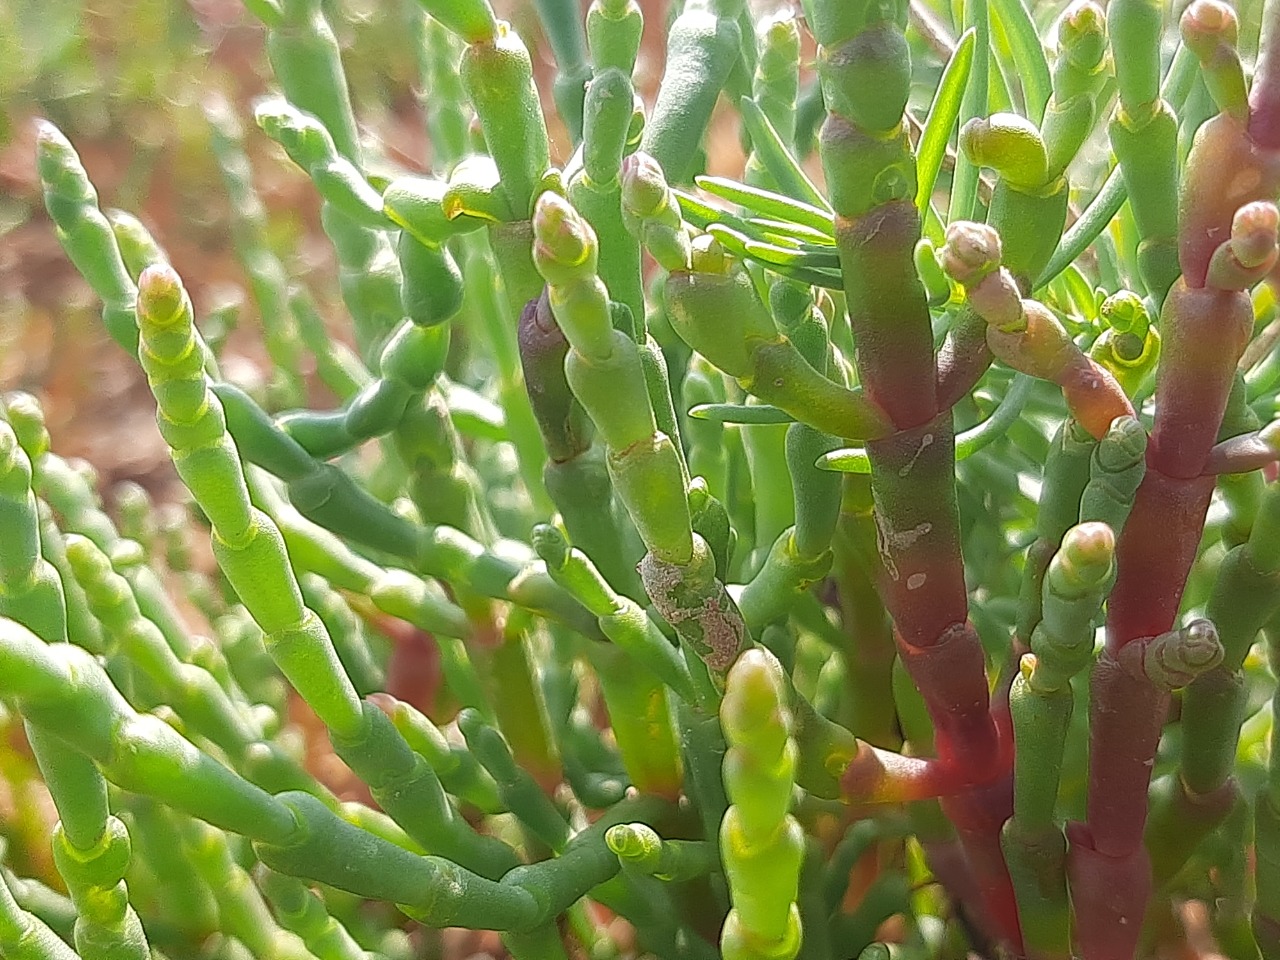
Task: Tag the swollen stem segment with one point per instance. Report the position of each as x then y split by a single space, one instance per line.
864 64
1206 322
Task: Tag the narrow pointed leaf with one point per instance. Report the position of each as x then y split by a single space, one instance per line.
767 203
943 113
777 159
1028 55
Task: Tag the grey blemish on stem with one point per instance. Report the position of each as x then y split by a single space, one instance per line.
703 614
925 442
889 541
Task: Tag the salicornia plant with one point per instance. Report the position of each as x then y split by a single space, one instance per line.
876 555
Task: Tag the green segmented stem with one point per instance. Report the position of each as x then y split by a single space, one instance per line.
351 215
302 912
43 902
268 282
370 279
760 841
347 631
407 787
975 103
337 365
715 308
1079 74
596 190
90 847
82 627
614 28
459 771
765 450
1144 135
1210 30
442 94
1265 919
640 849
307 63
638 708
622 620
1041 702
62 689
604 370
702 45
86 234
138 518
24 936
243 911
422 603
32 590
433 211
75 500
774 88
311 146
519 791
497 76
438 892
247 544
188 901
106 924
1029 203
1066 474
409 363
138 248
566 32
576 474
190 690
1245 597
325 502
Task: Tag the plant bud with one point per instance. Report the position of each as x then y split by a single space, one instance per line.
564 245
160 296
644 186
1009 144
1207 23
971 252
1124 312
1082 35
1253 233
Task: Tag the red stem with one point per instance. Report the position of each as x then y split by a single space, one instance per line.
963 359
1264 97
918 537
1204 331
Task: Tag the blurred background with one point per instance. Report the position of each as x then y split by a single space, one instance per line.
126 80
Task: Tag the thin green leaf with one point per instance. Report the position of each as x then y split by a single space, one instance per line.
976 103
772 254
1085 230
791 231
767 203
1028 55
740 413
827 279
732 240
943 113
702 214
1175 88
1079 293
753 251
777 159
